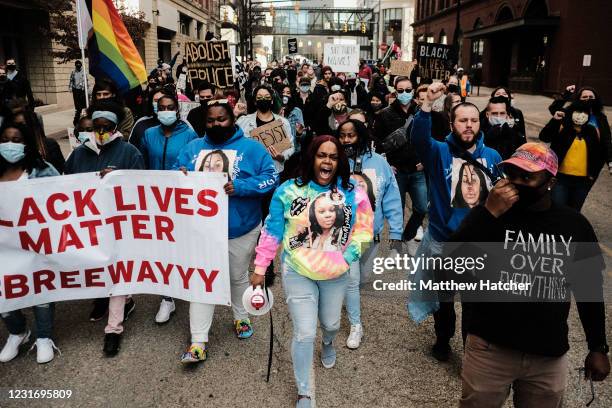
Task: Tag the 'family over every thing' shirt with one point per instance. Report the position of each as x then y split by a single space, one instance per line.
322 229
556 253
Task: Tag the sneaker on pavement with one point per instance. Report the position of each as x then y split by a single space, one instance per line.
166 308
44 350
441 351
354 339
195 353
244 328
328 355
419 235
100 307
11 348
129 307
112 343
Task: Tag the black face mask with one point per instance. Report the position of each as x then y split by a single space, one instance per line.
219 134
452 88
350 149
11 67
263 105
529 195
256 75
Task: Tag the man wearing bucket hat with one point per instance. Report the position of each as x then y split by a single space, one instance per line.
521 341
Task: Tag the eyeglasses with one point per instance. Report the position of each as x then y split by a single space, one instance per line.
581 374
399 91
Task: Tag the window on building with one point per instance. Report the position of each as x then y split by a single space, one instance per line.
477 52
430 39
392 25
185 24
199 31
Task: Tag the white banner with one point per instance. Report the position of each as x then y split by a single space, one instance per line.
342 57
134 231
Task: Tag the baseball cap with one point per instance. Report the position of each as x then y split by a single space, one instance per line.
534 157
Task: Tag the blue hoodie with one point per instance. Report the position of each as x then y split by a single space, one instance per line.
388 204
160 152
439 162
252 172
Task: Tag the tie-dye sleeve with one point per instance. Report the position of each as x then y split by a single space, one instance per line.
363 230
272 232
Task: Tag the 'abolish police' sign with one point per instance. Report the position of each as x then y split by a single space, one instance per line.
436 61
292 45
209 61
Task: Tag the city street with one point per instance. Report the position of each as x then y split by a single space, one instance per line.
391 368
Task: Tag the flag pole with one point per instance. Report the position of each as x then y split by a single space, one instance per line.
82 47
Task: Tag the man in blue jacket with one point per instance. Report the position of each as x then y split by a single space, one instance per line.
460 172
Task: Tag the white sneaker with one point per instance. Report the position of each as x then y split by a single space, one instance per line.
355 336
166 308
419 235
11 348
44 350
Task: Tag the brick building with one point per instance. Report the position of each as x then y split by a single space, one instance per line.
529 45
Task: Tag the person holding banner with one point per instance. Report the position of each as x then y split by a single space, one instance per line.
252 175
160 147
315 280
20 160
104 150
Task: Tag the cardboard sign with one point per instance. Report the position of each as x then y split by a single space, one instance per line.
292 44
342 57
133 231
436 61
185 107
209 61
272 134
401 68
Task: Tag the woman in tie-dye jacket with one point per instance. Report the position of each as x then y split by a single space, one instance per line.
324 223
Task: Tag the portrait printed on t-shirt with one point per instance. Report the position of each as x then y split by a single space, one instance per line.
469 185
326 218
216 161
368 182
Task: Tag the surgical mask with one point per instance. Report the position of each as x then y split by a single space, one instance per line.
335 88
305 88
350 149
339 107
580 118
285 100
12 152
155 108
219 134
497 120
167 118
263 105
85 136
405 97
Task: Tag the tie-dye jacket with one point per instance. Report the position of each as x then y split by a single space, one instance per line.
322 230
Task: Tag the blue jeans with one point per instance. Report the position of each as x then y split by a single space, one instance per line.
308 299
15 321
571 191
359 269
415 185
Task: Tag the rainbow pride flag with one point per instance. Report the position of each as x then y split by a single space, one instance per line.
110 48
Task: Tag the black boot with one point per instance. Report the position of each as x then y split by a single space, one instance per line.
112 343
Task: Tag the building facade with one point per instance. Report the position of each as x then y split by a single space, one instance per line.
171 23
538 46
395 26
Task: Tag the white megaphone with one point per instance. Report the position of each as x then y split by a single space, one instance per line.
256 301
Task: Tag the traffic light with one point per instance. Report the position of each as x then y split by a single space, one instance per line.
363 27
345 27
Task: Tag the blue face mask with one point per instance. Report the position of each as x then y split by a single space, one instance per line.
167 118
405 97
84 136
155 108
305 88
12 152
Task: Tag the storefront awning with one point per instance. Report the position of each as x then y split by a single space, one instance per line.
529 22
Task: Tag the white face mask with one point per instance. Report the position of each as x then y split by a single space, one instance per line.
580 118
497 120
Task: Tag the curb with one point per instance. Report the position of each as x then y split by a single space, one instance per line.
60 134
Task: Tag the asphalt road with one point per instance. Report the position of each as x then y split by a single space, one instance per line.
392 368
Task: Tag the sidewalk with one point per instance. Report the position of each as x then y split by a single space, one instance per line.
57 122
